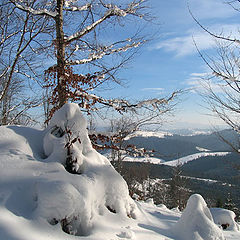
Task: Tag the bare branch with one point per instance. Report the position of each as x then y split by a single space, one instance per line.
8 37
22 45
234 40
4 72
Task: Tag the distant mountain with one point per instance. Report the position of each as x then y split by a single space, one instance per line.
208 163
224 168
190 131
172 146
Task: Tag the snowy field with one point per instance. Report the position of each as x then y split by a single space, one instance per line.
40 200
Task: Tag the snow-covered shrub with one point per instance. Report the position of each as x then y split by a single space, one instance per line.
67 124
224 218
196 222
76 200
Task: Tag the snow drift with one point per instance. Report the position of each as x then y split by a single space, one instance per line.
224 218
196 222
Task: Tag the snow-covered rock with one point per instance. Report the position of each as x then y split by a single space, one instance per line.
196 222
224 218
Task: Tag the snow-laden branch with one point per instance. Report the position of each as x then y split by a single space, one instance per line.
122 105
87 29
131 8
104 51
76 8
28 9
112 10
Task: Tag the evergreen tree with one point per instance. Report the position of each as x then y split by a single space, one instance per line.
179 193
230 205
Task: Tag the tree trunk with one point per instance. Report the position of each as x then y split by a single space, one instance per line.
4 111
60 45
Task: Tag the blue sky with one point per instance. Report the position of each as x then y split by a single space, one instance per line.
171 62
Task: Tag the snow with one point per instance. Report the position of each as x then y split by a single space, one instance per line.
192 157
196 222
148 134
40 200
175 162
202 149
35 12
98 188
151 160
224 217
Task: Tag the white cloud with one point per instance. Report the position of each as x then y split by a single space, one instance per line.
184 45
152 89
211 9
200 82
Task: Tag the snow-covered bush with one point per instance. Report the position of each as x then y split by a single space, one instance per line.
224 218
196 222
76 200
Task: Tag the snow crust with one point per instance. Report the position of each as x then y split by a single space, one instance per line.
196 222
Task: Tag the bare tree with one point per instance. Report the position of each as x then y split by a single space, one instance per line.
222 86
15 105
19 37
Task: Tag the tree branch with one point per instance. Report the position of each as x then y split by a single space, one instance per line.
113 10
27 9
106 50
211 33
77 9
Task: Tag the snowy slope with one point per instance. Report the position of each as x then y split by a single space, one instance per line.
175 162
193 157
37 194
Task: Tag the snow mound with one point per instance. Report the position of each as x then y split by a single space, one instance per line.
70 119
96 186
224 218
196 222
127 234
